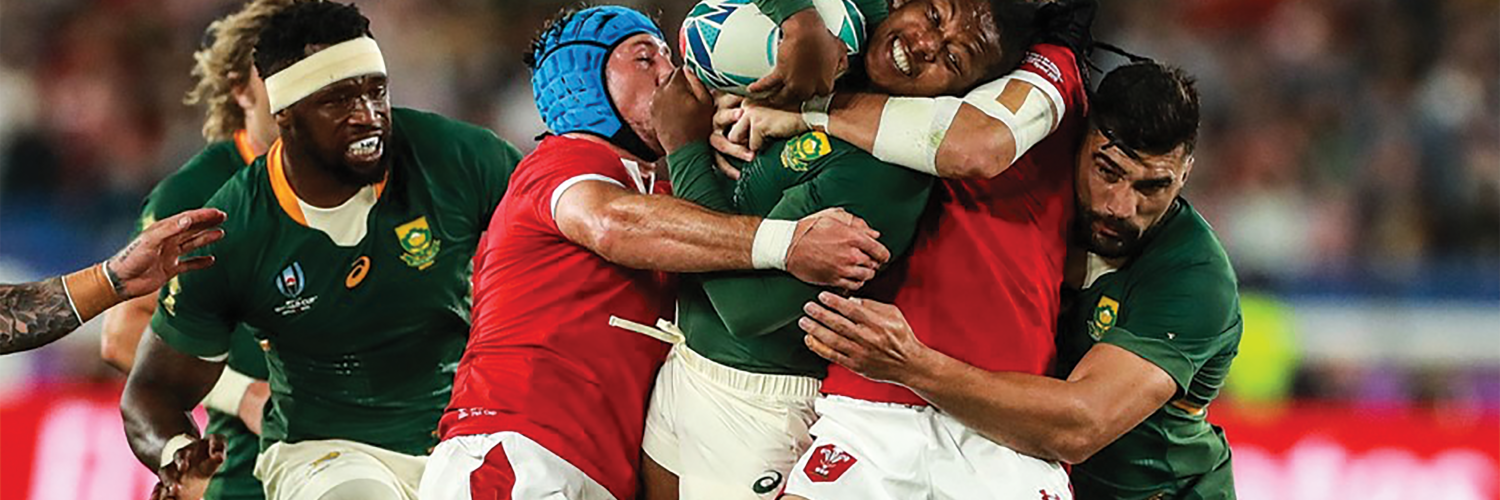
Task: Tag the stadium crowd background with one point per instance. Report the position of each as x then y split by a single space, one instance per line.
1350 158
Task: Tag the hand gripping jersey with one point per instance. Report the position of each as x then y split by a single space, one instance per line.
362 340
982 281
188 188
543 360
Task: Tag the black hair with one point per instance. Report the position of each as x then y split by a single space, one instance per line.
1016 21
1147 107
533 55
287 34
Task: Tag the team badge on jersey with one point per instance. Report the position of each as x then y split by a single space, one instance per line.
291 282
804 149
1105 315
827 464
416 239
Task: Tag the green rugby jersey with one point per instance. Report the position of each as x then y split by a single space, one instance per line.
1176 305
187 189
874 11
362 341
747 319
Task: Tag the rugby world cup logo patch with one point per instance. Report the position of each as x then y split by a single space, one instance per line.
290 281
827 464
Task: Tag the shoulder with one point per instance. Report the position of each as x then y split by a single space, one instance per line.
198 179
1186 258
558 155
425 125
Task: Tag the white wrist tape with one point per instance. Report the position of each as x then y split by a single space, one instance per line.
815 112
772 241
228 391
169 451
357 57
1026 103
912 128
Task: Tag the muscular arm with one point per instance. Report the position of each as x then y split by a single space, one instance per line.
976 145
34 314
653 232
161 392
1110 392
123 326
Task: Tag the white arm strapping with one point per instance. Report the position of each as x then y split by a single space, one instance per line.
912 128
1037 114
169 451
773 239
228 391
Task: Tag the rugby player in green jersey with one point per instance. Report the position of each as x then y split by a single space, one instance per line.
240 128
1147 341
730 412
348 253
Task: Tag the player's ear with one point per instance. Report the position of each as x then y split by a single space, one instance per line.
241 92
283 119
1187 167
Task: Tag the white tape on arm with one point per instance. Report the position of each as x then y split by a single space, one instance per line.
1037 112
169 451
912 129
227 393
773 239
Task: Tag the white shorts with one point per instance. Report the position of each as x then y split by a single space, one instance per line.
727 433
504 465
309 469
880 451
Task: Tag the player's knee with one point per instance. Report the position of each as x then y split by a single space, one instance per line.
362 489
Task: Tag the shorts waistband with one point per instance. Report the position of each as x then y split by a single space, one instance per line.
758 383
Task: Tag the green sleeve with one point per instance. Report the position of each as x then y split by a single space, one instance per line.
779 10
695 179
890 199
194 312
874 11
192 185
1179 320
496 160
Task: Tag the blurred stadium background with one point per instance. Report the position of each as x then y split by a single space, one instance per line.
1350 158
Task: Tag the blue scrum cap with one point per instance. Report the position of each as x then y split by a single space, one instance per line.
567 77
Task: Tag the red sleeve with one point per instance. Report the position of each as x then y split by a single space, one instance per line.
567 164
1057 66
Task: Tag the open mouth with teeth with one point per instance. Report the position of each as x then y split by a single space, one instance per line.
900 56
364 150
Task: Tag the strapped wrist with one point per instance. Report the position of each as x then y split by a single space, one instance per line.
773 239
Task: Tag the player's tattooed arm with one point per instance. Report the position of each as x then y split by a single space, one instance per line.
34 314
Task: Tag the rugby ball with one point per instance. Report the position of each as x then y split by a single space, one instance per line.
730 44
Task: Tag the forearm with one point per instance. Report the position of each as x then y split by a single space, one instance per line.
971 145
667 234
695 179
34 314
159 395
123 326
1032 414
777 299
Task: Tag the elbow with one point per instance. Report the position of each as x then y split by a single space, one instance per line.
980 161
114 352
1079 434
977 154
610 234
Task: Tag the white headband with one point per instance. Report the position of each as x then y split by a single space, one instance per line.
357 57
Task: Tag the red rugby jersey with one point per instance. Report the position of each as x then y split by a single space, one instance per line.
542 359
983 278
